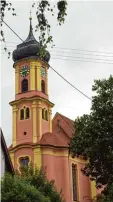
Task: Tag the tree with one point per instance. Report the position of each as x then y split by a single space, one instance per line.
32 185
15 189
43 26
107 195
93 137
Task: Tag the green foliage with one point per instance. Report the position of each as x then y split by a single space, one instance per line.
42 7
38 179
5 6
32 185
42 26
15 189
107 195
93 138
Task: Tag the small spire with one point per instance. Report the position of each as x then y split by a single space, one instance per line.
30 18
30 36
30 15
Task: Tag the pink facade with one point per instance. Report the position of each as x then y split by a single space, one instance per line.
45 126
85 186
25 125
58 170
55 158
30 94
34 132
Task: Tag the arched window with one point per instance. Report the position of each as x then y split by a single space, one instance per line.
43 117
43 86
24 85
74 181
21 114
24 161
46 115
27 113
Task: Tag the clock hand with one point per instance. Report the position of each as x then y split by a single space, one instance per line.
24 71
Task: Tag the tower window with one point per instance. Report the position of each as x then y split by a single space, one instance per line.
46 115
24 161
24 85
21 114
25 133
43 86
74 181
24 113
43 115
27 113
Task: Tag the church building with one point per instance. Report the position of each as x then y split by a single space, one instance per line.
38 138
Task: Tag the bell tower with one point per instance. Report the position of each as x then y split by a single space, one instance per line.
31 109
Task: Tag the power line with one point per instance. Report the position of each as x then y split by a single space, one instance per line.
77 60
84 50
74 59
72 49
70 83
12 30
78 53
81 60
53 68
79 57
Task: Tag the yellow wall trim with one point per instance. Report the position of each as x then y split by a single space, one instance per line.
37 157
17 80
39 107
78 160
30 60
46 80
62 154
32 75
50 120
54 152
32 99
14 125
12 157
34 122
38 68
93 189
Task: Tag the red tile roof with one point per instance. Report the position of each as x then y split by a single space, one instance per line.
55 139
69 122
66 124
52 139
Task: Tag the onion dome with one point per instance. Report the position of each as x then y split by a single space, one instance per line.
30 47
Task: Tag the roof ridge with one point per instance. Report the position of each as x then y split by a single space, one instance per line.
65 116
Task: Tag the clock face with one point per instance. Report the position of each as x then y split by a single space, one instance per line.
24 71
43 72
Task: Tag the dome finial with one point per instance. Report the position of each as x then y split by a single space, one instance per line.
30 16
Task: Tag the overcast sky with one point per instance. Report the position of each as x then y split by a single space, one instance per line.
88 26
